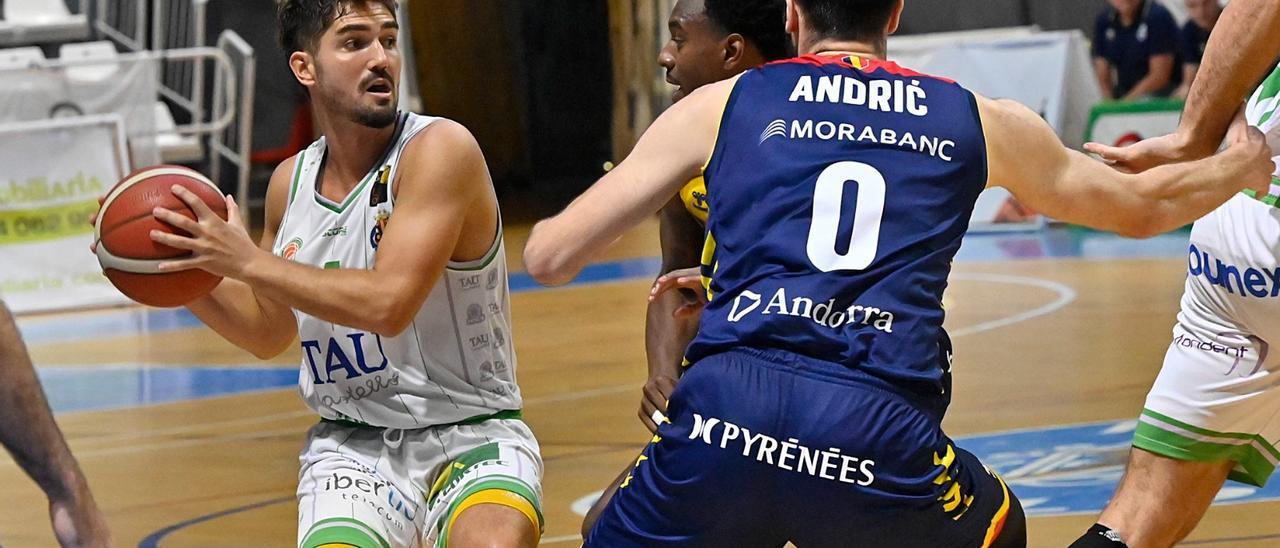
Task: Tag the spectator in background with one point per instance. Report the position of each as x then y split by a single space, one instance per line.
1195 34
1134 46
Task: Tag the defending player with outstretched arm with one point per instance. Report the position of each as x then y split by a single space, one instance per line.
823 312
1023 153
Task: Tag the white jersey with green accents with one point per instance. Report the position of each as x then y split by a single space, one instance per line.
453 363
1216 397
1261 112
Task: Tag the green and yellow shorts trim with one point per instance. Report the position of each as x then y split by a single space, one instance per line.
1255 457
477 477
342 532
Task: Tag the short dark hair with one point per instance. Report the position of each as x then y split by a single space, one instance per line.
860 20
303 21
761 22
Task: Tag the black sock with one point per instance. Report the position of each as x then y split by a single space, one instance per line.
1099 536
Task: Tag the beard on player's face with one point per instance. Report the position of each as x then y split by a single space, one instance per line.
376 117
359 107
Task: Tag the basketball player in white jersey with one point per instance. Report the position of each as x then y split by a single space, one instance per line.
383 248
1214 411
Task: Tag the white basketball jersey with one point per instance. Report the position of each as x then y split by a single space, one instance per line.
1263 112
453 363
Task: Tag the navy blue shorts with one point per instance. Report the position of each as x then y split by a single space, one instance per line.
763 448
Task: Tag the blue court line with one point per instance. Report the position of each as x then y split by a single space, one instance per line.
136 320
153 540
102 388
1057 242
613 271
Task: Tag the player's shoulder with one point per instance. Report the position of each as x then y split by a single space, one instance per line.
445 156
1001 110
443 140
286 171
709 98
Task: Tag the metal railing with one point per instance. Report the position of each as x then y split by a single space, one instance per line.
122 21
233 143
177 32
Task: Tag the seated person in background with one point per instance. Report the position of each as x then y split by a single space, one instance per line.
1134 46
1195 34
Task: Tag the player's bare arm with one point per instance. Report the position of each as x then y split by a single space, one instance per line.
250 320
670 152
443 191
29 433
1026 157
669 327
1244 44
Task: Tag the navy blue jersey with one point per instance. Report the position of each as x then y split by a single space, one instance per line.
839 191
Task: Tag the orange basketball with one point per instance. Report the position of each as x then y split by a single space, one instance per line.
129 258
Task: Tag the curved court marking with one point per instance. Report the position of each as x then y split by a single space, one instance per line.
153 540
1066 295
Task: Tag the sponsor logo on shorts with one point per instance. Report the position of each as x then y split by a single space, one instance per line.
1069 469
789 454
1247 282
1239 352
379 495
826 313
479 341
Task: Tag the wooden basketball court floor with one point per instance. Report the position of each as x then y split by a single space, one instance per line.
188 441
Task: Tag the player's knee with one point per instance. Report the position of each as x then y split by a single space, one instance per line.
492 526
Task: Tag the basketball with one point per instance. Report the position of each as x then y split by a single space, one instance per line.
129 257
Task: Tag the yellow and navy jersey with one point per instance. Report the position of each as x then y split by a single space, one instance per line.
694 196
839 190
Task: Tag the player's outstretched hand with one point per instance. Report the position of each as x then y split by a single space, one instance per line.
685 278
78 523
219 247
1248 152
653 406
1143 155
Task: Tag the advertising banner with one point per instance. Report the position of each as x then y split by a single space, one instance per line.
51 175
